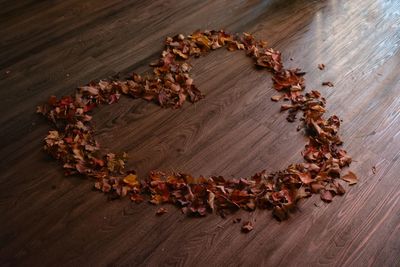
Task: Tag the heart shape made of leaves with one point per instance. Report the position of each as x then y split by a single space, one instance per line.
170 85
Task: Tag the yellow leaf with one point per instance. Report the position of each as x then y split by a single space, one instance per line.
131 179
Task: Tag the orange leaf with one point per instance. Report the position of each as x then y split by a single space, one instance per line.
305 177
131 180
351 178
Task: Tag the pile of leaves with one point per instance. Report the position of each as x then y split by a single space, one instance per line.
72 140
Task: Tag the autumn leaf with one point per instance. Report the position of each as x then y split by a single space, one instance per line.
330 84
286 107
161 211
276 97
350 177
210 201
302 193
131 180
305 177
247 227
326 195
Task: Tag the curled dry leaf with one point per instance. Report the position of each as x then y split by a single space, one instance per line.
276 97
321 66
302 193
131 180
305 177
326 195
161 211
330 84
247 227
350 177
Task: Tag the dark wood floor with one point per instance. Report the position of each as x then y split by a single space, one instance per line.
50 47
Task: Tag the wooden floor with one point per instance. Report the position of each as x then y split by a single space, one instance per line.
50 47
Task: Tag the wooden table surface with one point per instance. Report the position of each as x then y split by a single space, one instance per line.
51 47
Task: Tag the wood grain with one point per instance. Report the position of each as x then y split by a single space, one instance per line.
50 47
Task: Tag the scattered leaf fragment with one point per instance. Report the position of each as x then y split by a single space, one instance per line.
276 98
350 177
321 66
161 211
326 195
247 227
330 84
374 169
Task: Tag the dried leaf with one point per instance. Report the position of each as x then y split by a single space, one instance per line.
276 97
305 177
374 170
350 177
247 227
326 195
302 193
161 211
286 107
131 180
210 201
330 84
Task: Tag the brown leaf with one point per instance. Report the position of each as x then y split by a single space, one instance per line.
302 193
247 227
161 211
321 66
330 84
305 177
316 187
286 107
326 195
210 201
276 98
351 178
339 188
